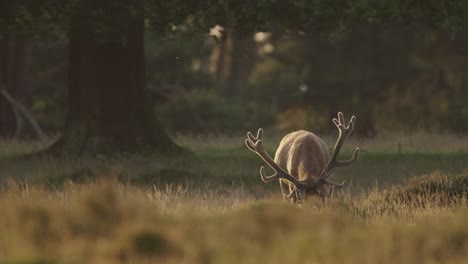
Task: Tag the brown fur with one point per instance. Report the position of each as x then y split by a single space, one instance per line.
303 155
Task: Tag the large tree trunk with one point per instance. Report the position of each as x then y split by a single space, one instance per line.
15 61
108 108
7 120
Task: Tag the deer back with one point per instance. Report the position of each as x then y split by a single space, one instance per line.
303 154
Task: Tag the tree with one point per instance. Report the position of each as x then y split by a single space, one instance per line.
108 107
14 67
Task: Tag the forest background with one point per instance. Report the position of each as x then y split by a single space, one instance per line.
407 75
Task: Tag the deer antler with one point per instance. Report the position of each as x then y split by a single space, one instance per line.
255 145
344 132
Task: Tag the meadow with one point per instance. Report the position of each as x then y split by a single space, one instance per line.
405 202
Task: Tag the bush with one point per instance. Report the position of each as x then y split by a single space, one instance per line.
206 110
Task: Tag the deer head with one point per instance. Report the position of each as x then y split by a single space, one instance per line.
302 161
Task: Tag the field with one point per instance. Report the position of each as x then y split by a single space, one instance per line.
405 202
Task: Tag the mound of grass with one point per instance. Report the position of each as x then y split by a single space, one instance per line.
435 189
111 223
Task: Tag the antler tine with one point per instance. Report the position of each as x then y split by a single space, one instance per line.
265 178
344 132
355 157
350 126
249 142
259 135
249 145
254 144
279 172
339 125
328 182
341 118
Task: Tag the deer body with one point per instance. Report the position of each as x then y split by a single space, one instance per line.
302 162
303 155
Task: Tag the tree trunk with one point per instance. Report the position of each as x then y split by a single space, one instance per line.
7 120
243 56
108 107
222 49
15 61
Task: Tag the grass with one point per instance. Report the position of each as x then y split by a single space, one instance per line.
400 206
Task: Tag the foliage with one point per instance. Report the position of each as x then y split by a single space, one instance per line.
391 77
417 83
202 111
391 63
244 16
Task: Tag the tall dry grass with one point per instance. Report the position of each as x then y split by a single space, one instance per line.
107 221
213 208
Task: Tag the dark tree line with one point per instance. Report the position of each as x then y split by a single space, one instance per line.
108 105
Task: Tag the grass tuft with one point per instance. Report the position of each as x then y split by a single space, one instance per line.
435 189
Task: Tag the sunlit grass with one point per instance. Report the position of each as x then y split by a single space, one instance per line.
402 206
107 221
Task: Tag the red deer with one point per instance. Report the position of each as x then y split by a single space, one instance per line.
302 161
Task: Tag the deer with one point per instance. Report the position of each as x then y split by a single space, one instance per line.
303 164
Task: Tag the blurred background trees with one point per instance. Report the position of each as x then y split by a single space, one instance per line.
231 66
392 77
